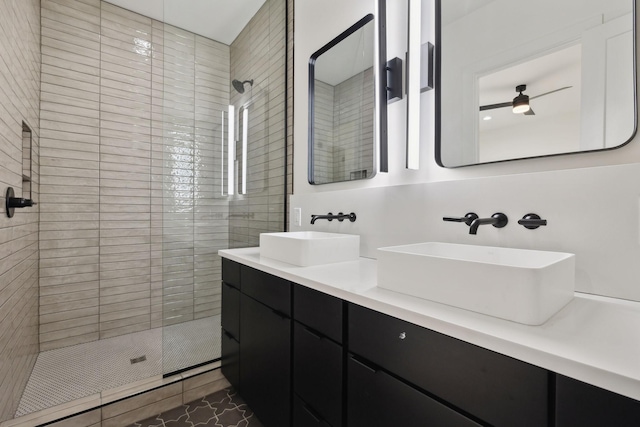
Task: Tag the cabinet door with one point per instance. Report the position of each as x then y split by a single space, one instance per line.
317 373
376 399
497 389
265 362
584 405
230 317
230 364
230 323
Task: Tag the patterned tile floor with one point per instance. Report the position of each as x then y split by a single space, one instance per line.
224 408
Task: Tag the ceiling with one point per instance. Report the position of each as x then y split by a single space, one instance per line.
220 20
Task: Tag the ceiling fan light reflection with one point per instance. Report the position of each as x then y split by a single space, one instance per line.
521 104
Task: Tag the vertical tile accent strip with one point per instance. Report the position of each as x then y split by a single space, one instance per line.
179 158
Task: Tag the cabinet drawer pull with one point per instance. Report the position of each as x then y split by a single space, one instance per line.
280 314
230 285
229 335
403 335
312 333
364 365
312 413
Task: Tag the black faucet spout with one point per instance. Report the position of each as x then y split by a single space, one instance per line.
498 220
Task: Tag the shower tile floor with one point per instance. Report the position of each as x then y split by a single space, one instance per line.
70 373
224 408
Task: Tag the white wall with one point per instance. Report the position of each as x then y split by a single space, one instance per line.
593 211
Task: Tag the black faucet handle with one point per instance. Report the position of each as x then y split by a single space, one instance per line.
351 216
18 202
532 221
467 219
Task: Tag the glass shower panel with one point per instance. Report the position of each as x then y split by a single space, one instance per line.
194 215
216 132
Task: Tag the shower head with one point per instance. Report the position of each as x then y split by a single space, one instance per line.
239 86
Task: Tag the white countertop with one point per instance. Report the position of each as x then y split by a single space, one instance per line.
593 339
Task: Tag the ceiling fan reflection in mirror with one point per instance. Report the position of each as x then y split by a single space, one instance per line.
520 103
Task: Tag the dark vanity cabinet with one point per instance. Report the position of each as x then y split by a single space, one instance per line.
317 359
303 358
439 378
256 357
230 321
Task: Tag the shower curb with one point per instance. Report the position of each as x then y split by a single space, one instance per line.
126 405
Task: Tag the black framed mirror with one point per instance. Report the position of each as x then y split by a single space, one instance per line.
347 119
518 79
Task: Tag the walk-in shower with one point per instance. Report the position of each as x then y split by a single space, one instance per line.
140 121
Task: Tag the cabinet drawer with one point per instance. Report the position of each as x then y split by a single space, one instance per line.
231 272
319 311
230 317
584 405
230 364
317 373
495 388
376 399
305 416
266 288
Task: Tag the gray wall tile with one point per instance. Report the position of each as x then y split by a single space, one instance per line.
19 100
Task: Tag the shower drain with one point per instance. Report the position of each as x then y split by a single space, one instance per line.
138 359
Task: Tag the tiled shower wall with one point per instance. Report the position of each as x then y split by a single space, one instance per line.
353 116
323 106
19 101
259 53
129 110
343 127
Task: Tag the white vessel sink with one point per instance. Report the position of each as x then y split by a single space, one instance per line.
305 248
523 286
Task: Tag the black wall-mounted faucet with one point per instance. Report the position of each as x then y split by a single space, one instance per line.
330 217
467 219
498 220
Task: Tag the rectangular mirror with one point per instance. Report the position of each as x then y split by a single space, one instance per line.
344 112
519 79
